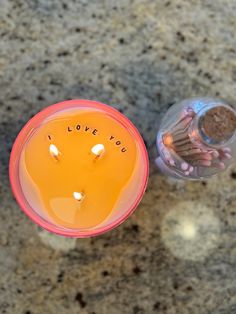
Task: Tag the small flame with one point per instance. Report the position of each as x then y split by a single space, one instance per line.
78 196
54 150
98 149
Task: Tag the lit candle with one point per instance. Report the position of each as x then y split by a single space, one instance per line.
78 168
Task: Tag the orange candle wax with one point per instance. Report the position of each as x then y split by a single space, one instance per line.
81 168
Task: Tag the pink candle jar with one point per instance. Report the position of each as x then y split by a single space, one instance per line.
78 168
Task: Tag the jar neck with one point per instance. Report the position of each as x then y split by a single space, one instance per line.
197 132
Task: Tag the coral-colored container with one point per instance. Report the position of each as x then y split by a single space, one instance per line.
63 183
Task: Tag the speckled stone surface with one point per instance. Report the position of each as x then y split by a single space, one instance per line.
177 253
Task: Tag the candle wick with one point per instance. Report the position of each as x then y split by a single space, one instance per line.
78 196
54 151
98 150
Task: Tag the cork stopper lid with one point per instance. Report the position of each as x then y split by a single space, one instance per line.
218 124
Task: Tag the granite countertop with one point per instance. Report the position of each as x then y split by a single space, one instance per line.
177 253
